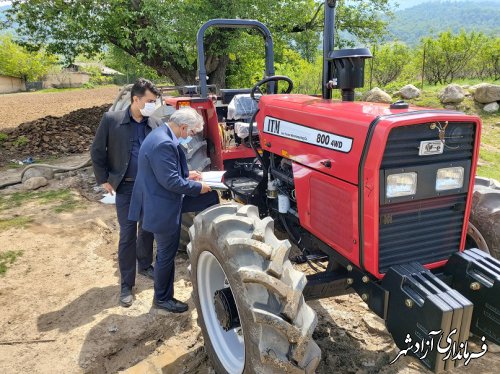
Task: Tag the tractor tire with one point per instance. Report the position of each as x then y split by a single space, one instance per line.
484 222
197 159
122 101
233 250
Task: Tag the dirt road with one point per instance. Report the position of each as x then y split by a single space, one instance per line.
59 310
22 107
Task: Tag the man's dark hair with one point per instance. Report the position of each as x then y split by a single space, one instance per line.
141 86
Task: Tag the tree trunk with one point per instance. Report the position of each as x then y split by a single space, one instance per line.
218 76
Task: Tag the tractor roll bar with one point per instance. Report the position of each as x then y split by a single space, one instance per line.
232 24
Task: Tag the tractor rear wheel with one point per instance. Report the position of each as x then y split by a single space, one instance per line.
484 222
249 297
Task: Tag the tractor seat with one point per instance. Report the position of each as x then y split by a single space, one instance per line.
227 94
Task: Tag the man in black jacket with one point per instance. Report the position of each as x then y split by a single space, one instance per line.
114 153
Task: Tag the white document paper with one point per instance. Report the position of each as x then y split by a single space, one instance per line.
214 179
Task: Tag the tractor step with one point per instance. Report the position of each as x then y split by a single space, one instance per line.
476 275
423 312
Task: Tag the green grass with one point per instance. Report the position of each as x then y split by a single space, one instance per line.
7 259
63 199
20 221
20 141
3 137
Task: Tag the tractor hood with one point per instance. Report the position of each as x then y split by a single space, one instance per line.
330 136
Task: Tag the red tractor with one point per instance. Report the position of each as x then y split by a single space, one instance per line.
375 197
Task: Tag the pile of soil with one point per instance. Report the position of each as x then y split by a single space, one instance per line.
52 136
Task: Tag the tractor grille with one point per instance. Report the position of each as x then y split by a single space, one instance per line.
427 230
424 231
404 142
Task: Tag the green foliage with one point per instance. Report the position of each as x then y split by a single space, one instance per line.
389 61
17 61
486 63
448 56
162 34
129 66
7 259
3 137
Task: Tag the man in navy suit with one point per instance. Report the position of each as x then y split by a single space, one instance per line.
164 189
115 153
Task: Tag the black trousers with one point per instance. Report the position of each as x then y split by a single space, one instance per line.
135 245
168 244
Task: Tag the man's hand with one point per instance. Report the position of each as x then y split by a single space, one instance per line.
205 188
194 175
108 188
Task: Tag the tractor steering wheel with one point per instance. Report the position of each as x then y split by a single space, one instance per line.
274 78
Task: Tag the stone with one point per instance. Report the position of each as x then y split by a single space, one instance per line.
491 107
452 94
40 171
466 86
377 95
35 183
409 92
486 93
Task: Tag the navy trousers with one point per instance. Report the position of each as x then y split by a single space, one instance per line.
168 244
135 244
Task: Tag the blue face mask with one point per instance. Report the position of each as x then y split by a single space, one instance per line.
185 141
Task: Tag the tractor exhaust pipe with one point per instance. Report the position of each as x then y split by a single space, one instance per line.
328 45
345 68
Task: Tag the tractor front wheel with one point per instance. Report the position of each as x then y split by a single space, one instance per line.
249 298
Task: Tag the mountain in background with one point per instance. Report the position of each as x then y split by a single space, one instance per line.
404 4
429 18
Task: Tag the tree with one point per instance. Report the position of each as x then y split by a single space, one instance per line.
17 61
389 61
161 34
131 68
486 63
448 56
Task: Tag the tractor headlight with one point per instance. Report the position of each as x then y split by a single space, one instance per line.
404 184
449 178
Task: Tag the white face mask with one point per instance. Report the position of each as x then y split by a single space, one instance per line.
148 109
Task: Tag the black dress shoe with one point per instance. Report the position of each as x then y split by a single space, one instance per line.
149 272
173 306
126 297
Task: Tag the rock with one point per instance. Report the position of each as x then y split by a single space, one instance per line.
35 183
47 173
487 93
112 329
491 107
376 95
466 86
452 94
409 92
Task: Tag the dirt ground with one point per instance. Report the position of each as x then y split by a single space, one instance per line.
60 313
22 107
